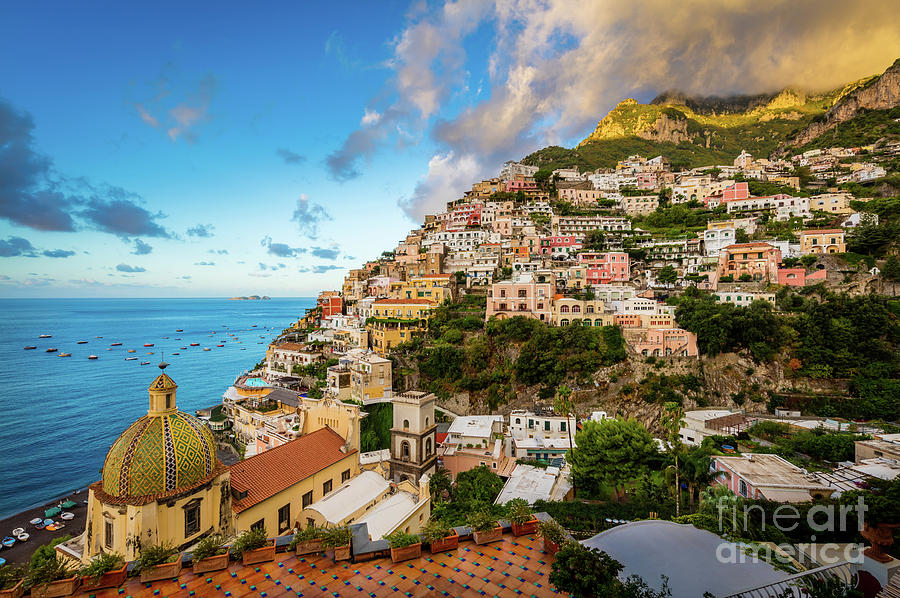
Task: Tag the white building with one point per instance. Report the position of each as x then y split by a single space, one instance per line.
475 430
512 169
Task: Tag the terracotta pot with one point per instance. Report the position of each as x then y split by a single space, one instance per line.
310 547
211 563
488 536
523 529
260 555
340 553
881 536
448 543
14 592
110 579
550 547
407 552
164 571
54 589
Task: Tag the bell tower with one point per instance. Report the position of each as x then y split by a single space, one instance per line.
413 442
162 393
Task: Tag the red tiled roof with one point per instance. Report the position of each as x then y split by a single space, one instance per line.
277 469
741 245
403 302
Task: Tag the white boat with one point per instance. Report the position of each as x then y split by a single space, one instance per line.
67 516
22 537
18 530
92 357
131 359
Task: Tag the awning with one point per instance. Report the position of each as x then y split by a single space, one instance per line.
53 512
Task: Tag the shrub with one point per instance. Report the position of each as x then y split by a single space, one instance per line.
308 534
519 511
552 531
436 530
585 572
157 554
249 540
481 521
10 576
338 536
212 545
49 569
400 539
100 564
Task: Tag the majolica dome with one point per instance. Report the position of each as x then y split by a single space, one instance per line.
164 451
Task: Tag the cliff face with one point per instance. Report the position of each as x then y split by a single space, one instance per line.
880 94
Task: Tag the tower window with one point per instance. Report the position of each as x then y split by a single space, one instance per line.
169 401
405 424
191 520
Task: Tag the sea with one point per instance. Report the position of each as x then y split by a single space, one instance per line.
60 415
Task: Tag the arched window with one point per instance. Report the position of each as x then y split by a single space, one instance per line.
564 309
598 322
405 424
404 449
427 446
564 322
576 309
426 422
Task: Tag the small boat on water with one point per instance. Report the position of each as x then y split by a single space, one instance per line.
46 336
115 344
220 345
145 363
131 359
30 347
52 350
179 330
98 337
195 344
92 357
149 352
183 348
206 348
177 339
175 353
65 355
148 344
81 343
130 351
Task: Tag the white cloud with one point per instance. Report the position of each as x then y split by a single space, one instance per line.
370 117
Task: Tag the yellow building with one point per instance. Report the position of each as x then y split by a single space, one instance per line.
568 309
161 483
434 287
396 321
270 490
370 378
833 203
827 240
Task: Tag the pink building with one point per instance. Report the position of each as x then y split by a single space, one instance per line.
735 191
520 185
520 297
604 268
758 260
668 341
562 245
769 477
647 180
463 215
580 197
797 277
331 302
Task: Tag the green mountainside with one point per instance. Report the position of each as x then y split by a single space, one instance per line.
694 132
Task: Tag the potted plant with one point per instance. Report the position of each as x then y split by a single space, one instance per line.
338 540
883 516
12 581
553 534
440 536
52 576
161 561
521 517
106 570
484 527
404 546
210 554
309 540
253 546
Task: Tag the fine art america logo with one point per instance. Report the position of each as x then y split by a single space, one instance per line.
735 516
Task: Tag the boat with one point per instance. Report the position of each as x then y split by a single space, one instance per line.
149 353
46 336
183 348
148 344
98 337
18 530
8 541
206 348
92 357
131 359
67 516
165 338
179 330
36 521
145 363
195 344
115 344
130 351
220 345
52 350
23 537
175 353
30 347
65 355
81 343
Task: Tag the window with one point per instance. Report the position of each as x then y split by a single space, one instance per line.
426 422
743 488
405 424
108 532
345 476
427 447
284 518
169 396
404 449
547 425
307 499
261 524
562 426
326 487
191 520
518 421
310 522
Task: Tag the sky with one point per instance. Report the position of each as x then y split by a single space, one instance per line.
219 149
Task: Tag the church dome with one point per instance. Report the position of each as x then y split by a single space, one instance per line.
162 452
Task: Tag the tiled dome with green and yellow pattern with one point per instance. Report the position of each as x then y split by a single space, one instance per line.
159 453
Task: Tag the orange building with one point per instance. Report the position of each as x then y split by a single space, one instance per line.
757 260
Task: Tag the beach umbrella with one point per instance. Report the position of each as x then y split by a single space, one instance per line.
52 512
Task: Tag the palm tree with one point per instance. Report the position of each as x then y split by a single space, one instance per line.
563 402
673 416
698 473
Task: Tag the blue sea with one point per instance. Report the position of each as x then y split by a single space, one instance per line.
61 414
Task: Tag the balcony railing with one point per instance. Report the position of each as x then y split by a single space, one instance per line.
797 585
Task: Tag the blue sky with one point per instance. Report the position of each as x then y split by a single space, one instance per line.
188 149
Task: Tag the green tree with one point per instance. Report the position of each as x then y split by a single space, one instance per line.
564 404
891 268
671 422
667 275
477 487
595 240
741 236
440 485
612 452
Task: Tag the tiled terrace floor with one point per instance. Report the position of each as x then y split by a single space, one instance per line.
513 567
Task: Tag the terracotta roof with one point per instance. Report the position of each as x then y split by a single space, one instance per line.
742 245
291 347
829 231
277 469
404 302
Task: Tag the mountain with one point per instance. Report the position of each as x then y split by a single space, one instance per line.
704 131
